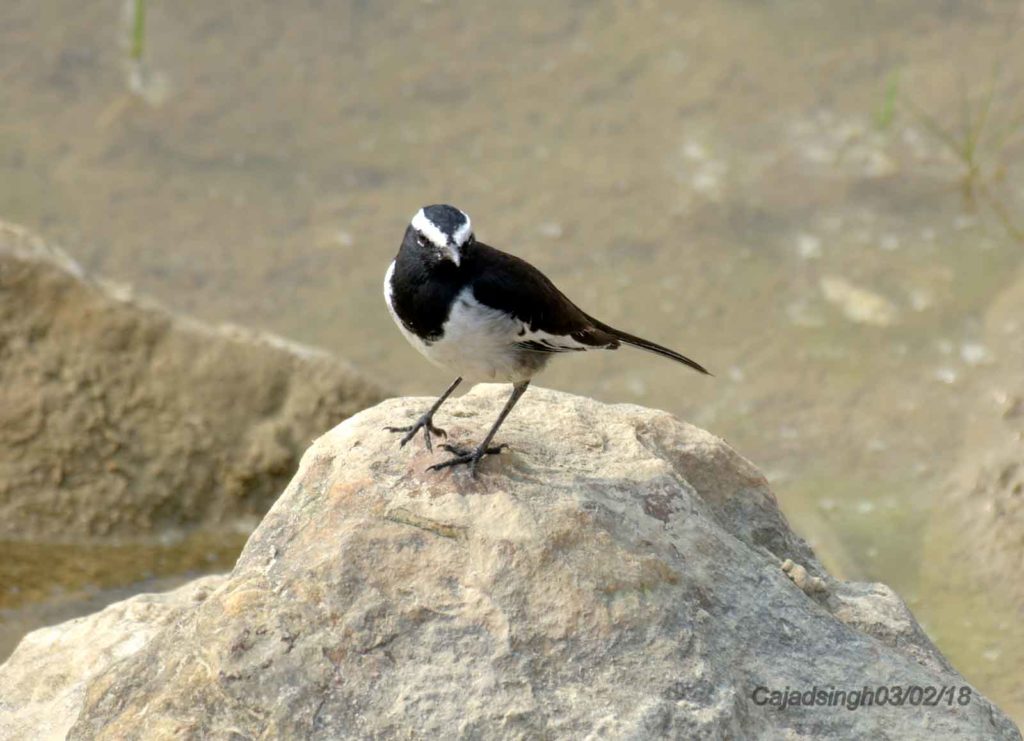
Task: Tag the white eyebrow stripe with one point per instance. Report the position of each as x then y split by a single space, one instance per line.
429 229
463 232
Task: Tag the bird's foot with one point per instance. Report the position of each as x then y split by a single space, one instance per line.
466 456
426 423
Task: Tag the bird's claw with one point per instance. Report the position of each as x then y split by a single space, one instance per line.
466 456
426 423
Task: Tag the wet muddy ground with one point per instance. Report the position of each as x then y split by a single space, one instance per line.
819 202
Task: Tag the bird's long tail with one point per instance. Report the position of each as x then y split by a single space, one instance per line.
651 347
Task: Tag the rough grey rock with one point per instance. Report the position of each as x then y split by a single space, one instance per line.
118 417
616 574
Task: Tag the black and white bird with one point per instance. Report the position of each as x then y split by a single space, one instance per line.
485 315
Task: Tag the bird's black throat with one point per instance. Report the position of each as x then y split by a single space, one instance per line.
422 292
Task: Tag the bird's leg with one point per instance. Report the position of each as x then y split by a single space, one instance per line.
472 456
426 422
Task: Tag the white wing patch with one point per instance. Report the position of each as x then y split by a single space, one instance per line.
545 342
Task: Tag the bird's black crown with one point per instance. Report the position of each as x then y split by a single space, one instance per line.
444 226
446 218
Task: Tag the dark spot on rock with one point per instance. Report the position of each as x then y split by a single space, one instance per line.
335 655
242 643
699 691
701 597
289 639
1007 475
662 505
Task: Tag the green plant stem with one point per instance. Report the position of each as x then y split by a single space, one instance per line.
139 31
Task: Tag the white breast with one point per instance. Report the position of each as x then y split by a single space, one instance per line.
479 343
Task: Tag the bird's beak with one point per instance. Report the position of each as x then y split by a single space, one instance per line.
453 253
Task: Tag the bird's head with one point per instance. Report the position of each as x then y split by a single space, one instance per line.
439 232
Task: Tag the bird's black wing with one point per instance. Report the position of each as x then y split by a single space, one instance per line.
551 322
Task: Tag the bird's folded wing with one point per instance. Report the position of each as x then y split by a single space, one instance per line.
550 322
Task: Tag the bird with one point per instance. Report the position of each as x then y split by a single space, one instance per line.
485 315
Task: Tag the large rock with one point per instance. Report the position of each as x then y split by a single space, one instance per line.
118 417
617 573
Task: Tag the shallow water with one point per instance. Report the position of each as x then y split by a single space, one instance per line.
47 583
770 187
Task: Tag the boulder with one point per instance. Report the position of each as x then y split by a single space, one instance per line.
118 417
616 573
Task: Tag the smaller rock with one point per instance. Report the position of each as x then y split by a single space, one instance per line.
858 304
809 584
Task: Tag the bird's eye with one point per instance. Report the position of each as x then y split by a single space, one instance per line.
421 240
472 239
